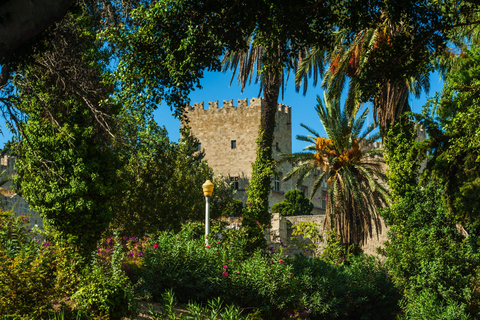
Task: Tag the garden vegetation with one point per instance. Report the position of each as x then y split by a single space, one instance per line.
121 202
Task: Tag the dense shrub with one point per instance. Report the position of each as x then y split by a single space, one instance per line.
425 305
427 252
360 289
26 288
26 273
106 291
197 272
295 204
278 287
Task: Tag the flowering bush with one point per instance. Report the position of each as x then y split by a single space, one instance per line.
134 251
106 290
15 235
198 272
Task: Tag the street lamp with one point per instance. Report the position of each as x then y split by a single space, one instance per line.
207 192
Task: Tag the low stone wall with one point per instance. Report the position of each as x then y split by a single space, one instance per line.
281 233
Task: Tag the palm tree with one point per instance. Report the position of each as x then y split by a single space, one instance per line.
352 168
349 58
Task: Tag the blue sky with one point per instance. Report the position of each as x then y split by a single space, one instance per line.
216 86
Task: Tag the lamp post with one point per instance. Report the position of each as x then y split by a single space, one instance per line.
207 192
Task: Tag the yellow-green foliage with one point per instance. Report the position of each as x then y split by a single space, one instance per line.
25 286
311 236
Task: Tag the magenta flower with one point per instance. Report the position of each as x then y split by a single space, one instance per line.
225 267
207 247
155 246
225 274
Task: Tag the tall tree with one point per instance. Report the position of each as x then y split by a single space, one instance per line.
352 168
66 165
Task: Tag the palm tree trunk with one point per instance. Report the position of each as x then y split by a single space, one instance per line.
258 215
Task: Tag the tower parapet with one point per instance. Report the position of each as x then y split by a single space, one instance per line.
242 104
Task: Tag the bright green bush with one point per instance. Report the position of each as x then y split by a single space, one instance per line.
295 204
277 287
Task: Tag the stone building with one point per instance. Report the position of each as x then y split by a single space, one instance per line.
227 134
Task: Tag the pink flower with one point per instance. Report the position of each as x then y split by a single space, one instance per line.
225 274
271 262
218 242
238 272
155 246
207 247
229 260
281 261
225 267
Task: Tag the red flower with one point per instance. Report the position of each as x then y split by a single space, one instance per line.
225 274
155 246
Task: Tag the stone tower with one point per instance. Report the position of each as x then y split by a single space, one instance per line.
228 137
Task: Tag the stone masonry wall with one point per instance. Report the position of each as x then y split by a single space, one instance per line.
280 233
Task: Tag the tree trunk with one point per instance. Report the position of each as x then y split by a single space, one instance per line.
258 215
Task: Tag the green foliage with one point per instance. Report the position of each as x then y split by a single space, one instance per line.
455 139
26 272
161 182
295 204
223 203
335 252
359 290
306 236
425 305
257 212
403 164
106 292
427 251
66 165
15 236
67 262
25 286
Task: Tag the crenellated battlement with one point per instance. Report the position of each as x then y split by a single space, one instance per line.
255 104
